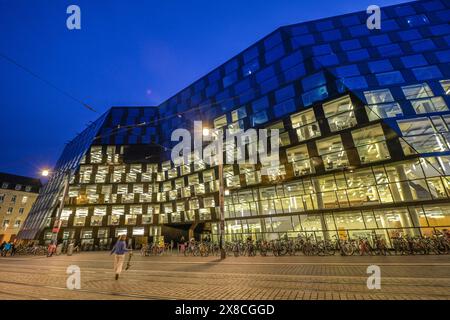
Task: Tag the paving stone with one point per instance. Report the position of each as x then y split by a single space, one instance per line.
243 278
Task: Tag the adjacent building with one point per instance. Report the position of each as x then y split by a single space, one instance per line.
17 195
365 141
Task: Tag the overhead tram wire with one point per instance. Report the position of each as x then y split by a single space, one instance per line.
62 91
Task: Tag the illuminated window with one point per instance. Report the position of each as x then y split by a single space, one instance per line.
96 154
370 143
121 232
299 158
340 114
86 234
252 176
85 174
208 175
220 122
378 96
100 176
427 105
417 91
275 173
204 214
231 180
420 135
130 219
91 193
306 125
383 111
138 188
284 136
147 219
446 86
80 216
96 220
381 105
118 172
332 152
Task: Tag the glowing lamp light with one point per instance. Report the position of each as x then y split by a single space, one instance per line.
205 132
45 173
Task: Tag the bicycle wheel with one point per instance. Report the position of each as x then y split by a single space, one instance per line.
348 250
331 250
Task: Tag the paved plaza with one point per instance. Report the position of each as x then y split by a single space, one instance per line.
243 278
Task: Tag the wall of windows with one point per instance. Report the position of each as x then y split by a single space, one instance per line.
363 119
419 179
388 223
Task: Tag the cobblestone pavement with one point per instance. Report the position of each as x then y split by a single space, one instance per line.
178 277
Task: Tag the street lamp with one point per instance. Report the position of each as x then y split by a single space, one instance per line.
58 222
205 132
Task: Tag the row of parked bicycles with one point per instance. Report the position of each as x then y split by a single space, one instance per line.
43 249
155 249
31 250
308 246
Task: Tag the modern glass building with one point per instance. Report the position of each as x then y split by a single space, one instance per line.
365 142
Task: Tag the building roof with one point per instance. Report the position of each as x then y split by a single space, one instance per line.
10 181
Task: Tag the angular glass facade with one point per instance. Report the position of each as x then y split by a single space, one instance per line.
364 140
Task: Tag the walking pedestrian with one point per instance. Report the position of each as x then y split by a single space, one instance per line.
6 248
181 244
2 246
51 249
119 250
13 248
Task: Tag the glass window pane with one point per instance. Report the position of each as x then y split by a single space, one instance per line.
340 114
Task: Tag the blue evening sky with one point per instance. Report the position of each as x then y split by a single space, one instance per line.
131 53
